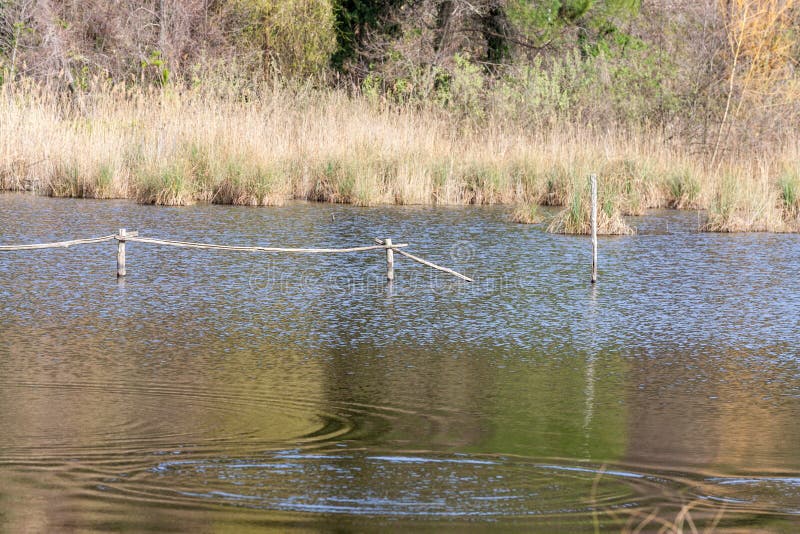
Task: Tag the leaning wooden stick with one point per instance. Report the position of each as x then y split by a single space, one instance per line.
429 264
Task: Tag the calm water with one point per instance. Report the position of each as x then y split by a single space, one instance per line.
232 391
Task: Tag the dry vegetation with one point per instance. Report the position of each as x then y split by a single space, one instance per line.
175 148
674 105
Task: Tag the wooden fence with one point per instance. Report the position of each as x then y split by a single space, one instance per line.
123 236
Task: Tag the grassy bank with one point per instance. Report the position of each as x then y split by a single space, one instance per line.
176 148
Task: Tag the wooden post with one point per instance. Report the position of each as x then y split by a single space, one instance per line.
389 260
594 227
121 253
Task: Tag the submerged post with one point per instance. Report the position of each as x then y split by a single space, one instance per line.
593 178
389 260
121 253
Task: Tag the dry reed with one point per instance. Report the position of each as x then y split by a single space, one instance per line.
527 213
178 147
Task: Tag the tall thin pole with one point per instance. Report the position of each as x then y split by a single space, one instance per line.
594 227
389 260
121 253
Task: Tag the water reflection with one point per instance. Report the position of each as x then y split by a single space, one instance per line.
730 410
217 392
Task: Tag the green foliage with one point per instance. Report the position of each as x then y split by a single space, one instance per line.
298 36
574 215
302 34
535 91
200 168
684 190
482 183
467 87
170 185
538 22
104 178
461 89
248 184
10 42
789 185
371 87
572 10
352 20
81 77
68 181
638 78
528 213
156 64
628 85
543 22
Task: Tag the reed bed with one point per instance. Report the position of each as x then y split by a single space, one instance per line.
527 213
175 148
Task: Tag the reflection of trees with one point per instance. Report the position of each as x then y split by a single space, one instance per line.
403 400
82 409
670 422
411 397
551 405
759 430
704 412
481 400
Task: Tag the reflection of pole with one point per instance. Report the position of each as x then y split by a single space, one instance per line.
591 356
594 228
589 414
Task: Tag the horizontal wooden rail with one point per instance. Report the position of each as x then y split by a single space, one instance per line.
123 236
58 244
186 244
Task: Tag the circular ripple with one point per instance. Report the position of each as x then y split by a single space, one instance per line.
773 494
359 483
112 419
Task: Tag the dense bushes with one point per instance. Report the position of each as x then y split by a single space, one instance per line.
711 74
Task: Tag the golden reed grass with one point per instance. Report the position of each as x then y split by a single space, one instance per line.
175 148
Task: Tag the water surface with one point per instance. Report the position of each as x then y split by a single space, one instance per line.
211 391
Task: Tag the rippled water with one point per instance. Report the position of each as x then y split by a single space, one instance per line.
212 391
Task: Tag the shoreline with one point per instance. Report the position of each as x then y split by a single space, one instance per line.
507 209
513 209
177 148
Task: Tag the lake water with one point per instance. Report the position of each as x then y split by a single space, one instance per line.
214 391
